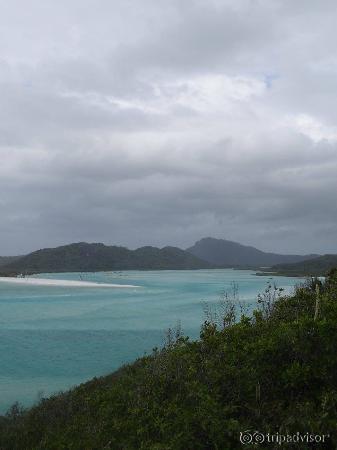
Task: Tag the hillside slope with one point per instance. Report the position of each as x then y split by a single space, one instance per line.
312 267
275 372
232 254
5 260
83 257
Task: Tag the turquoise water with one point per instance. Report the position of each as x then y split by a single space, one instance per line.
52 338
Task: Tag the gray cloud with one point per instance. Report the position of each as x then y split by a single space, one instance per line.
163 122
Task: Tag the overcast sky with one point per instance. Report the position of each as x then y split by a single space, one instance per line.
163 121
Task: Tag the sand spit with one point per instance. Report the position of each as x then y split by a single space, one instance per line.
62 283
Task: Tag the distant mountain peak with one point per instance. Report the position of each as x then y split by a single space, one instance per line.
233 254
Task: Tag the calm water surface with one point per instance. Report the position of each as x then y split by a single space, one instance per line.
52 338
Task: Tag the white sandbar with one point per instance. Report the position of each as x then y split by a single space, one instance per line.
65 283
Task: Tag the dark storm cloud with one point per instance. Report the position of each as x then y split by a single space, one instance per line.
162 122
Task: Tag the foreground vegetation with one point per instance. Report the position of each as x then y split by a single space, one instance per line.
274 372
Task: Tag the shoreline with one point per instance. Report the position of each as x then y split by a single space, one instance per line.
62 283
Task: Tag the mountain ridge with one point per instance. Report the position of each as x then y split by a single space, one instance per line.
223 252
85 257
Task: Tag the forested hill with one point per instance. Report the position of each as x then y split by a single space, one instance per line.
312 267
274 372
232 254
5 260
83 257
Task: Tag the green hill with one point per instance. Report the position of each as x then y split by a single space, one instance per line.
274 372
312 267
5 260
83 257
232 254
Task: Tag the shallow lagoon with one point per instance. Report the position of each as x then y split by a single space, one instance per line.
53 337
